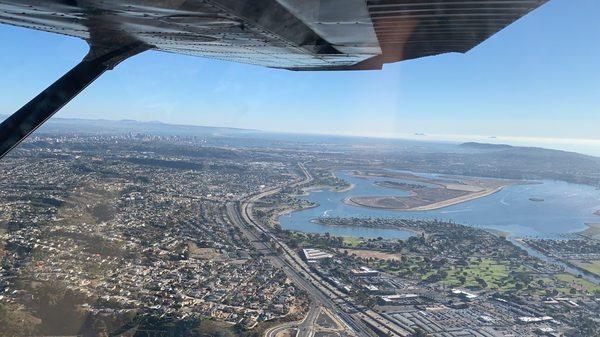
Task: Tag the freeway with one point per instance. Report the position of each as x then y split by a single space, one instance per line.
356 317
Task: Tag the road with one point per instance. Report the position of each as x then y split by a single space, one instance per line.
323 293
304 328
272 332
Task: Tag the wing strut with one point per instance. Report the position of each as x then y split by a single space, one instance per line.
33 114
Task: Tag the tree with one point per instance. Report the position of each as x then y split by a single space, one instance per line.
481 282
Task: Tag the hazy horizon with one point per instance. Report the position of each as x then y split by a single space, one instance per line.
533 80
583 146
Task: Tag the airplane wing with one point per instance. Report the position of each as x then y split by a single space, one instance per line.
290 34
287 34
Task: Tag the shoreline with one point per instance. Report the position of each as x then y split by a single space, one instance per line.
404 229
430 207
497 232
592 231
592 277
326 187
289 210
305 192
347 188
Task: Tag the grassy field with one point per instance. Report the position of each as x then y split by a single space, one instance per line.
581 285
592 267
352 241
495 275
504 277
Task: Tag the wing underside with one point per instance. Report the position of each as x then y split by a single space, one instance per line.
290 34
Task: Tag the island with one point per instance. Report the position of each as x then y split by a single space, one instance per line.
398 185
427 193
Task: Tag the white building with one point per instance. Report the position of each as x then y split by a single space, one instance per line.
312 255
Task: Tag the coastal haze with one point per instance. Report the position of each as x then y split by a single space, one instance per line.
157 227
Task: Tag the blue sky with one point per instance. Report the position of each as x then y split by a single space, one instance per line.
539 78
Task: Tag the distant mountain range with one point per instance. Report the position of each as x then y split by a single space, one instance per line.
104 126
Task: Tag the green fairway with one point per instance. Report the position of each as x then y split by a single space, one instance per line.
580 284
352 241
592 267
